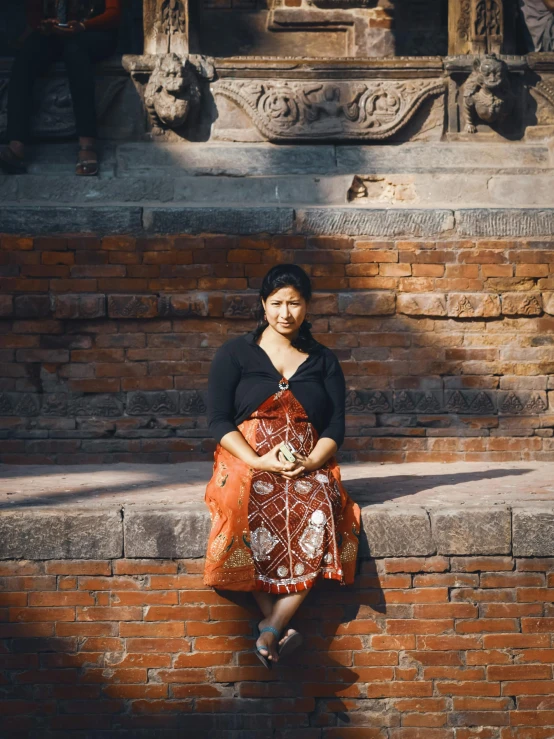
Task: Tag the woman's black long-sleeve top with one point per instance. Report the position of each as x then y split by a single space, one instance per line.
242 377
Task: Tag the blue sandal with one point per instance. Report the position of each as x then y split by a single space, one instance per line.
262 657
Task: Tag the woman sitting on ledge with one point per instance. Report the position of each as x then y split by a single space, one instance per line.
81 33
280 515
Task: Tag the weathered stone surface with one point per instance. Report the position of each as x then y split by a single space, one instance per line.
533 530
548 303
55 404
421 304
59 534
269 190
133 306
86 307
483 530
499 222
473 305
521 304
361 222
19 404
158 404
474 402
240 306
414 157
105 406
54 188
192 403
224 159
32 306
411 401
49 219
187 305
218 220
368 401
396 532
511 403
173 532
6 305
367 304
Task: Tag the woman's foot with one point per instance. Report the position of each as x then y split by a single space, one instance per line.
267 642
289 642
11 162
87 162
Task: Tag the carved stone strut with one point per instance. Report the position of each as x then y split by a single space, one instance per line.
487 92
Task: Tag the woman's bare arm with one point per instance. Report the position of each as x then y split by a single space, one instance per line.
321 453
549 4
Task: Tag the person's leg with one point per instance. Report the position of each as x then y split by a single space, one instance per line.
284 608
266 602
80 53
38 52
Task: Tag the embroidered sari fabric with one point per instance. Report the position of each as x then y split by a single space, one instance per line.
271 533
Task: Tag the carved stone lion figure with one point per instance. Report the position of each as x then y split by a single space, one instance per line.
487 92
172 92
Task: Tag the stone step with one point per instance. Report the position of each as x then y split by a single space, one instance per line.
406 190
255 160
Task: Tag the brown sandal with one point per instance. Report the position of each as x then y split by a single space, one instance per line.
10 162
87 167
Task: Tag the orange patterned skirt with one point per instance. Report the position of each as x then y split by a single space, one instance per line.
274 534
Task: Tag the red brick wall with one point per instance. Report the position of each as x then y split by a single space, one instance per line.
420 648
105 343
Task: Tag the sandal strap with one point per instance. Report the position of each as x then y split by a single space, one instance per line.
271 629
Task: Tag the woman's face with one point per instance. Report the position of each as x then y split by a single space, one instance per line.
285 310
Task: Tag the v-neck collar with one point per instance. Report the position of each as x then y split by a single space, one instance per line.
251 340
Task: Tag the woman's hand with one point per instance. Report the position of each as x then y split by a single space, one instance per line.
72 28
45 26
306 464
274 461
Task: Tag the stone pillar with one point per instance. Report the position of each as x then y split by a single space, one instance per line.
481 26
166 27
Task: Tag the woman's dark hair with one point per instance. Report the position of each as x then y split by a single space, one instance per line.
287 275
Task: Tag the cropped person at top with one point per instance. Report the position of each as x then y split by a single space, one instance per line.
539 19
278 524
79 32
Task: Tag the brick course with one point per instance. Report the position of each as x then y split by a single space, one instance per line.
105 343
176 659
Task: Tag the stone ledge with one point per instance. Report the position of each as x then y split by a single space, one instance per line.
331 220
141 511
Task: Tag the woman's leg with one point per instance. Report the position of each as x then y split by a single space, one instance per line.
38 52
80 53
284 608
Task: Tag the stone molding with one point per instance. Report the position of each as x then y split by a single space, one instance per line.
308 221
198 304
192 403
179 532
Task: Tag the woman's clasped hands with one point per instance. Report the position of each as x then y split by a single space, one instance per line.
274 461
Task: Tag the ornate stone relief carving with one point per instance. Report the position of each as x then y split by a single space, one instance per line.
372 110
173 17
487 92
